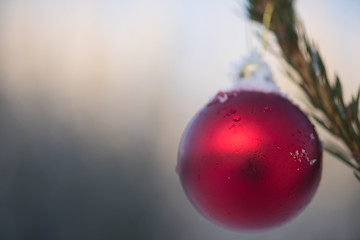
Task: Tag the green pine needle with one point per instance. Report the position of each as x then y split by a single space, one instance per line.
341 119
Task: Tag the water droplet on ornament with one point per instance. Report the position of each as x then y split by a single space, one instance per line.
279 148
229 178
236 118
267 109
231 112
312 136
312 162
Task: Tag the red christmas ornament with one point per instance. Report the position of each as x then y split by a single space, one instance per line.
250 159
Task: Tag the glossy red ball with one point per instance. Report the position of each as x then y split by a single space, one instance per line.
250 160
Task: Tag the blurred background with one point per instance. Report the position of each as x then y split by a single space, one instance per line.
94 97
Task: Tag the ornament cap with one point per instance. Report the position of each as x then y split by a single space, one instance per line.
253 74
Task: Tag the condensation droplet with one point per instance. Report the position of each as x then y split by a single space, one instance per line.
236 118
267 109
279 148
231 112
312 162
312 136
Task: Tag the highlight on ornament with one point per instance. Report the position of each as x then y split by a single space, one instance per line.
250 159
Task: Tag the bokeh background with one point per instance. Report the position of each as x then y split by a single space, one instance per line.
94 97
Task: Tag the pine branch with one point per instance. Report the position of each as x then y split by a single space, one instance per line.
337 117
